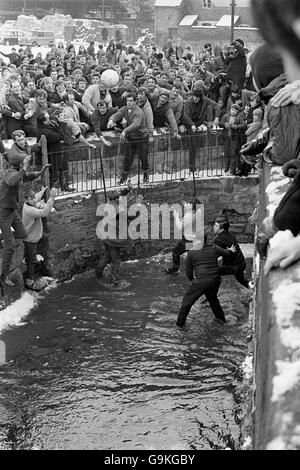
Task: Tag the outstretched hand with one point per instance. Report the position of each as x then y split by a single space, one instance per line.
283 255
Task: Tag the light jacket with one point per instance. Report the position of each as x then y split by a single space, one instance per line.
91 98
136 123
32 220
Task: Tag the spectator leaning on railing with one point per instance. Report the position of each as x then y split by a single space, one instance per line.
135 133
279 24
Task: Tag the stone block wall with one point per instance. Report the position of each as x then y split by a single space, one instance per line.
276 338
72 229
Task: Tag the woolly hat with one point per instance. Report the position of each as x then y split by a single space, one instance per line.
199 85
164 93
266 64
16 159
258 111
236 106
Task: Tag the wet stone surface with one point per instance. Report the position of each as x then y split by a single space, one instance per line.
99 367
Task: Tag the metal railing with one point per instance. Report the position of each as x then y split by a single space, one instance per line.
194 155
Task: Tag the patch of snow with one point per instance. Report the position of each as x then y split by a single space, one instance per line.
290 337
247 367
288 377
277 444
286 299
275 193
247 443
14 313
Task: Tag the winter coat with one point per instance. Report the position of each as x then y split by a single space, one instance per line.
284 124
92 96
236 70
99 121
196 114
163 115
32 220
146 107
136 124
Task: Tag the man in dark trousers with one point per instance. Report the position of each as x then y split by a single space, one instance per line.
203 270
233 262
113 243
135 133
10 184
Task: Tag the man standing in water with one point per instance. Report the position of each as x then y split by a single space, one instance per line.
202 270
233 261
192 220
113 242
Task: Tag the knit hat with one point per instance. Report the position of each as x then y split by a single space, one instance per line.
236 106
199 85
16 159
258 111
164 93
266 64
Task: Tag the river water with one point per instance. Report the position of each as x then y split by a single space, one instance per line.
97 367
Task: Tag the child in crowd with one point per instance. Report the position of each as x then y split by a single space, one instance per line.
255 127
234 126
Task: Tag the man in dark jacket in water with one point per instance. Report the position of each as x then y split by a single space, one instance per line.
114 218
234 261
203 270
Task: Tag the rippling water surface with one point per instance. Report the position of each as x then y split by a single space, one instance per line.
96 367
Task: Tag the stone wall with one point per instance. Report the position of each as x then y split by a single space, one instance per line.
276 333
72 229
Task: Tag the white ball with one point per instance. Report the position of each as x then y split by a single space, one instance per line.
110 78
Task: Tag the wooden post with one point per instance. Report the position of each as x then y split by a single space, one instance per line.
233 5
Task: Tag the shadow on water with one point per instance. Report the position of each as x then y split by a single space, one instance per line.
96 367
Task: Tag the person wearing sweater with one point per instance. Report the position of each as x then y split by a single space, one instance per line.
234 261
100 118
135 133
93 94
144 104
255 127
33 211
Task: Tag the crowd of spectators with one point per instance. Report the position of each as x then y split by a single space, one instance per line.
63 97
226 89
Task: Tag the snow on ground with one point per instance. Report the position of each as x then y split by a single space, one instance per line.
15 313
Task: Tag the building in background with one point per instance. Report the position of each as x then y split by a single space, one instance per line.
200 21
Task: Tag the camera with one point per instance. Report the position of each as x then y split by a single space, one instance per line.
222 78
